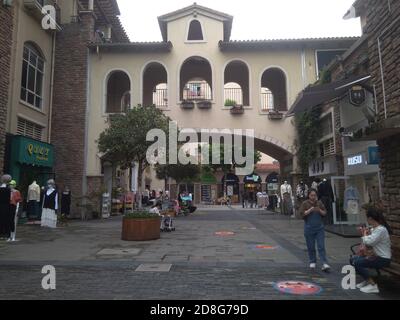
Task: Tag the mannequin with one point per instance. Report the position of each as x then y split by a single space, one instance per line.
33 200
16 199
286 196
301 193
50 206
66 201
5 205
325 194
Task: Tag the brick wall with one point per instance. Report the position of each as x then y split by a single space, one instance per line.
70 99
379 19
6 28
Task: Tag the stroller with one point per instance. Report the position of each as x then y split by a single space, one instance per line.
167 224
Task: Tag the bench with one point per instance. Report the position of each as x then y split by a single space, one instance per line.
394 269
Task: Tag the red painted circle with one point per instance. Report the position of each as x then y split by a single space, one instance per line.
224 233
298 287
265 247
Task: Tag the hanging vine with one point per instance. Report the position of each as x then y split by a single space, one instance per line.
308 129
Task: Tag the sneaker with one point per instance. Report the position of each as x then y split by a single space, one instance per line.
326 267
313 265
362 284
370 288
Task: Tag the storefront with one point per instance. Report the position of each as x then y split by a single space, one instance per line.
231 185
252 183
208 192
29 160
362 185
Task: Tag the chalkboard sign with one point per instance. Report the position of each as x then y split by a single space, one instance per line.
206 193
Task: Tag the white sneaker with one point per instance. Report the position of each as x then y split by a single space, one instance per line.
326 267
313 265
370 288
362 284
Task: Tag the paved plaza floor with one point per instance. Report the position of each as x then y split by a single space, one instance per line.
217 253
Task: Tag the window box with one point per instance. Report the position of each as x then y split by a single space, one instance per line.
237 109
187 104
204 104
275 115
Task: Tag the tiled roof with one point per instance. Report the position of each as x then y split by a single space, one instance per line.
136 47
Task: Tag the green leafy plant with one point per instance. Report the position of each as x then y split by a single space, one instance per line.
140 215
308 129
230 103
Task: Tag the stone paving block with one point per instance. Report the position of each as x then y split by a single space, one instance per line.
154 268
119 252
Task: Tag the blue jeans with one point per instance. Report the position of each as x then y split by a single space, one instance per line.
315 236
362 264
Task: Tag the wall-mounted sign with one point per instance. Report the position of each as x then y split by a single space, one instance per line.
357 95
354 161
32 152
373 155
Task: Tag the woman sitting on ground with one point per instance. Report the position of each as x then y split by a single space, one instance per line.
377 238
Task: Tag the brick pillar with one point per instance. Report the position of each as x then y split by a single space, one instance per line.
70 102
6 27
390 154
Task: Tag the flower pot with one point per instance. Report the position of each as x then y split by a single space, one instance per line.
275 115
141 229
187 105
237 110
204 105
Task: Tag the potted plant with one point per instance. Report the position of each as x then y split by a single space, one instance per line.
275 115
230 103
205 104
140 226
187 104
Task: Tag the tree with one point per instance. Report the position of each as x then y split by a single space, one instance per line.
124 141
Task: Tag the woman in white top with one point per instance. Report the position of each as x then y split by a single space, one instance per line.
377 238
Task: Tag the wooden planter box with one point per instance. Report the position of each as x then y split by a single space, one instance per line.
204 105
275 116
141 229
187 105
237 110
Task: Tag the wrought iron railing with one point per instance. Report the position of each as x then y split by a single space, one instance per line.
233 94
160 98
267 102
197 91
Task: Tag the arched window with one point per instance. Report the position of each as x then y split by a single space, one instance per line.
196 80
273 90
118 92
155 85
237 83
195 31
32 76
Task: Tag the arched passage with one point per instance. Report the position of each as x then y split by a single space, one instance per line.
155 85
237 72
118 92
273 82
196 79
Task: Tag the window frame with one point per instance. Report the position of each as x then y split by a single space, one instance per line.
24 85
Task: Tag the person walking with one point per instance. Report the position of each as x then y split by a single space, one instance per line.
378 239
312 211
16 199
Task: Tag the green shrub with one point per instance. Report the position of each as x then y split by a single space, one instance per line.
230 103
140 215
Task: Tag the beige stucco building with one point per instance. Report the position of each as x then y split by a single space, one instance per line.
194 71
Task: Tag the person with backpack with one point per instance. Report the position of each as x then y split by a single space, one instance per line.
376 238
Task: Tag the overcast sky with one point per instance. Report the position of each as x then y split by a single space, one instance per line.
253 19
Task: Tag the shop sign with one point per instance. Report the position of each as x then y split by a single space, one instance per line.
373 156
32 152
354 161
357 95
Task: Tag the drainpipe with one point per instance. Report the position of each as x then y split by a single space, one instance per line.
381 61
50 117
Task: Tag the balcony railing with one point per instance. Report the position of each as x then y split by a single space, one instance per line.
160 98
197 91
233 94
267 102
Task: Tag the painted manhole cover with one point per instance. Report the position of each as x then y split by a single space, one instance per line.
263 247
298 288
224 233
